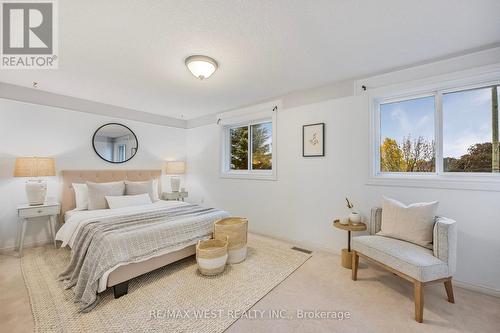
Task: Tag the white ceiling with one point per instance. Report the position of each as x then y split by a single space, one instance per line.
131 53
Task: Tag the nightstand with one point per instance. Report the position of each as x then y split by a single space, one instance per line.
27 213
174 195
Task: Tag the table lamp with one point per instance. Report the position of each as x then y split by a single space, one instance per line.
175 168
34 167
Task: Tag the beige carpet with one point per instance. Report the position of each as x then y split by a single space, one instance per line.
177 288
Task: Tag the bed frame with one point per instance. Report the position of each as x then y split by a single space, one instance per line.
119 278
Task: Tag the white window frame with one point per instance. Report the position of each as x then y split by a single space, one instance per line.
248 120
439 179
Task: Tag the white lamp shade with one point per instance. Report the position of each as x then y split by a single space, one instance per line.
176 167
201 67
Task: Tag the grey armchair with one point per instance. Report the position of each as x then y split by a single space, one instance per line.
412 262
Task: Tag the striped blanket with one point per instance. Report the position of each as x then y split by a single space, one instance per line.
103 243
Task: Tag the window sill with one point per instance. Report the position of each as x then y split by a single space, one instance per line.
484 182
248 175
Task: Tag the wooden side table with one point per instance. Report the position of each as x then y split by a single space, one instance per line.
27 212
346 253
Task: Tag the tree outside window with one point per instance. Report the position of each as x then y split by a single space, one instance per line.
251 143
470 133
407 136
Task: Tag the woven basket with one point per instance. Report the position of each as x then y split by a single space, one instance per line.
235 229
211 256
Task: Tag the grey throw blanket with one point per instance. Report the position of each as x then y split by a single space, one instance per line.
101 244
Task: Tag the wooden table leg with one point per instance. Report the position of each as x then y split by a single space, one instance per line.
346 259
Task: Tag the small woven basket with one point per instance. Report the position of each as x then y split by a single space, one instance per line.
211 256
235 229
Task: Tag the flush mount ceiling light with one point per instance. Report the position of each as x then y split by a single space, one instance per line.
201 66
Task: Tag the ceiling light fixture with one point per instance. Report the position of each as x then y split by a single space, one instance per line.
201 66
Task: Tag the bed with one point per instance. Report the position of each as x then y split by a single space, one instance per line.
153 222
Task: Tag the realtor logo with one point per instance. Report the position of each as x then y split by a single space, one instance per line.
29 35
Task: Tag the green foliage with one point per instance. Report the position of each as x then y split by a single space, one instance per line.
477 159
239 148
261 147
261 154
495 163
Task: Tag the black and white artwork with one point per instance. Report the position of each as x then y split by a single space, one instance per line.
313 143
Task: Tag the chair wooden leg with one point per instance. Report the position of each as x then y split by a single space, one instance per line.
355 261
449 291
419 301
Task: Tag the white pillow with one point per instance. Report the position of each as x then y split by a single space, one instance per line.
413 223
81 196
135 188
128 200
99 191
156 189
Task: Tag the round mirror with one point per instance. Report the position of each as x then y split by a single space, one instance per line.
115 143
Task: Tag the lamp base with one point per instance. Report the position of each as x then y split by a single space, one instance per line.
36 191
175 183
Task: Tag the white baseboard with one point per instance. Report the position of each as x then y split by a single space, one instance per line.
302 244
477 288
26 245
307 245
315 247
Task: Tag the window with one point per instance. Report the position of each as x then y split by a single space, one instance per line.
470 130
248 150
239 148
262 146
444 132
121 153
407 135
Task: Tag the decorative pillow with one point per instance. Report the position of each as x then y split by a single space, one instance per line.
156 188
81 196
134 188
99 191
128 200
413 223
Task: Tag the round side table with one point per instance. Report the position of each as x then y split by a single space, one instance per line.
346 253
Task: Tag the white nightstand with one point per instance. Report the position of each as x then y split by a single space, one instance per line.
174 195
26 213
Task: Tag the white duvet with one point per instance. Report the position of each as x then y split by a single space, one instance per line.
74 220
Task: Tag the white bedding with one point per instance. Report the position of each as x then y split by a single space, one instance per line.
74 220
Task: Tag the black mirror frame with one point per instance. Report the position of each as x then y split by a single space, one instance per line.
102 158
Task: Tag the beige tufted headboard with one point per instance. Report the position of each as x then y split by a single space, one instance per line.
98 176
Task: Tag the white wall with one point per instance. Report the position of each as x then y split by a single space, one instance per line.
299 206
35 130
310 192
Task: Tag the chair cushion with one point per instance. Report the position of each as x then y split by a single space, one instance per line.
410 259
413 223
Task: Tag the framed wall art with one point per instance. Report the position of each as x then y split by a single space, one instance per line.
313 144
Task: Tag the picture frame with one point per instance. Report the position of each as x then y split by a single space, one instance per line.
313 140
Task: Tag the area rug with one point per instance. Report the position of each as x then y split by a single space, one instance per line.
175 298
